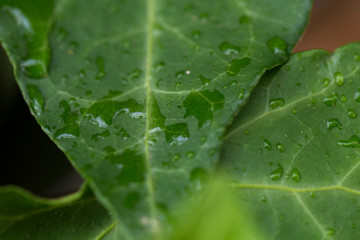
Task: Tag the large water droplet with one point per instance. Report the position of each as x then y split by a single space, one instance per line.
333 123
295 175
277 174
237 65
228 48
330 100
276 102
278 46
339 79
353 142
34 68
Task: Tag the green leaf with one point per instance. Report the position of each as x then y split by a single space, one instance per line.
214 215
78 216
293 153
138 93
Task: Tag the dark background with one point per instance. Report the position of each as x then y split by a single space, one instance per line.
27 156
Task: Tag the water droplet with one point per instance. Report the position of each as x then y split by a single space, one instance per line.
330 100
357 95
294 111
244 19
101 68
277 174
287 68
138 115
312 101
237 65
353 142
228 48
179 74
302 69
37 101
357 57
276 102
190 155
196 34
339 79
333 123
100 136
280 147
278 46
343 98
295 175
203 138
241 94
205 81
246 131
136 73
177 85
176 157
330 231
159 66
352 114
34 68
267 144
326 82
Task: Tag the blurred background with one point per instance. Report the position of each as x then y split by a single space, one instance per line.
28 157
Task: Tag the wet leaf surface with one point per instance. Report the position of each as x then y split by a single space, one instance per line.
138 93
296 164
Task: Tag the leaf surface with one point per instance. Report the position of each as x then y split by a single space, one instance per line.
293 152
78 216
138 93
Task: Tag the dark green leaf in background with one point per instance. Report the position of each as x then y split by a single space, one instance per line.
138 93
294 152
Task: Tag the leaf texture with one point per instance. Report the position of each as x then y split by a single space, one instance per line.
293 152
138 93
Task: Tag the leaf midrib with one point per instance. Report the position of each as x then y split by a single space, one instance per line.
148 63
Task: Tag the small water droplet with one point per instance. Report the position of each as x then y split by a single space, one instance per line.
246 131
326 82
357 95
352 142
196 34
244 19
312 101
302 69
136 73
176 157
177 85
287 68
352 114
280 147
276 102
241 94
357 57
295 175
190 155
203 138
343 98
228 48
159 66
277 174
339 79
101 68
294 111
330 232
205 81
179 74
267 144
37 101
